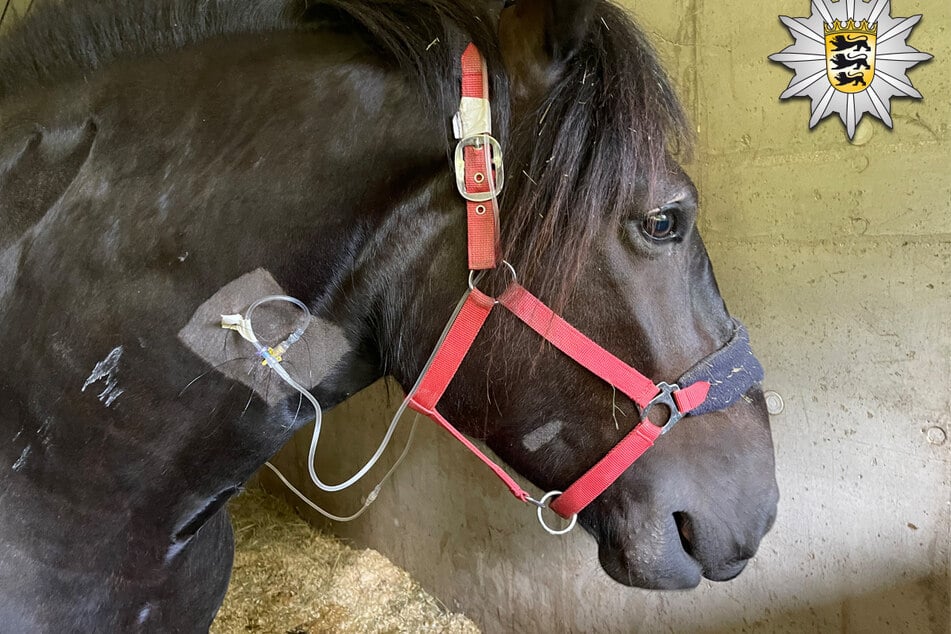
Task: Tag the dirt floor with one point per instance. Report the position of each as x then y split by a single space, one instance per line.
291 579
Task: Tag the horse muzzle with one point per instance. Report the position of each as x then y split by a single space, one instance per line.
693 508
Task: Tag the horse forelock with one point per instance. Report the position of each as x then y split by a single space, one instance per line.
577 160
588 154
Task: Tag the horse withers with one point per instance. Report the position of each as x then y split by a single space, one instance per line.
155 154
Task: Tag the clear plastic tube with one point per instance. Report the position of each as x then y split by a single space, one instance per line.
276 365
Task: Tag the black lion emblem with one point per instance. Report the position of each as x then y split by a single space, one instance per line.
856 79
844 43
844 61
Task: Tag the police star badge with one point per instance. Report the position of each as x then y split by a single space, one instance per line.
850 57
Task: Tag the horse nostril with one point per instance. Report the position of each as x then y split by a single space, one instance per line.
685 530
720 561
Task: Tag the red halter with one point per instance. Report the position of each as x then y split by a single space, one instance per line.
562 335
479 183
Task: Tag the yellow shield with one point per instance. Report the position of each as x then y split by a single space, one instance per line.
850 55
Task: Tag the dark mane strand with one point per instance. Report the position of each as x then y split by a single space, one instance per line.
426 38
61 40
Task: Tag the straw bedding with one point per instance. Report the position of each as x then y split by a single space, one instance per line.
291 579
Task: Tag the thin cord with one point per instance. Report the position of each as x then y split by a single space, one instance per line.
371 498
272 356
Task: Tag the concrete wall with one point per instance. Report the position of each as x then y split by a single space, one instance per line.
838 257
13 9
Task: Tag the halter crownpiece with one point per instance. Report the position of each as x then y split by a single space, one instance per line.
714 384
480 174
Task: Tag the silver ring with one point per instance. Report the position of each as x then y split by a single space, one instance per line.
541 520
480 210
476 276
511 270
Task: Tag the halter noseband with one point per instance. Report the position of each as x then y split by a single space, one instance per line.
713 384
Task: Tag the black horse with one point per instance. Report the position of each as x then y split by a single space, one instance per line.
152 152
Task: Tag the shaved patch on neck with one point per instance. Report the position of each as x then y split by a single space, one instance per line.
542 436
308 361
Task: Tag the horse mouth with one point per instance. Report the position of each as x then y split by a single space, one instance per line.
671 561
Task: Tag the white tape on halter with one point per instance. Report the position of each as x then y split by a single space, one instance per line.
474 117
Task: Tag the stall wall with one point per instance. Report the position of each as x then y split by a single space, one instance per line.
13 9
838 257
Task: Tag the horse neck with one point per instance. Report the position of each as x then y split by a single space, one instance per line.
195 182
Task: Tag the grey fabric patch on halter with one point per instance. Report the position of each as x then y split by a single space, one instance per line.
308 361
730 371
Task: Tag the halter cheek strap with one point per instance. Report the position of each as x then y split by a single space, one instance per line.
713 384
475 310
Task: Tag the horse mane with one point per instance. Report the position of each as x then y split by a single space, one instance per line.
59 40
577 160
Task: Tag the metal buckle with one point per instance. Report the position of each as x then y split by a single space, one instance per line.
666 397
479 141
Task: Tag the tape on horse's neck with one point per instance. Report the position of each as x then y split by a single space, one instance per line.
311 360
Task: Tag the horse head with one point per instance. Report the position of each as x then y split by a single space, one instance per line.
600 221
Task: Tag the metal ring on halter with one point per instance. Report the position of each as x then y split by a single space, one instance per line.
542 504
476 276
666 398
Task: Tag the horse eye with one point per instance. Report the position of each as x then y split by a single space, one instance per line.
660 225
